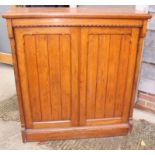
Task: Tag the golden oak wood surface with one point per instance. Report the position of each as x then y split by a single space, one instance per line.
5 58
75 77
83 12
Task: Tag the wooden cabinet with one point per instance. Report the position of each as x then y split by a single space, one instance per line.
76 70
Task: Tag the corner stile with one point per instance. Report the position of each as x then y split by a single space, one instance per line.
143 29
16 71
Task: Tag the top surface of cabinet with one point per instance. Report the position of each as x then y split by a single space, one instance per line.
76 13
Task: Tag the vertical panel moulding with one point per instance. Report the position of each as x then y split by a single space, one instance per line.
49 73
43 68
71 78
122 75
75 45
103 54
83 74
97 70
130 77
116 74
23 77
55 75
112 74
30 58
91 75
60 64
117 70
65 76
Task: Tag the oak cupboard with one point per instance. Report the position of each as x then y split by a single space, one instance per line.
76 70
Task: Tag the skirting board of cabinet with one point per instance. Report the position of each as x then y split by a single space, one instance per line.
75 132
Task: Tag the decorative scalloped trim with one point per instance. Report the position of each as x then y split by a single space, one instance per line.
80 25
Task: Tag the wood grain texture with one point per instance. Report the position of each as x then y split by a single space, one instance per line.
102 63
55 77
122 75
43 76
81 22
75 56
51 75
5 58
65 76
103 55
103 121
76 132
75 77
83 12
23 79
52 124
92 59
113 64
83 74
33 81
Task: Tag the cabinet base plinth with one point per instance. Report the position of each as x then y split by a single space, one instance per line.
75 132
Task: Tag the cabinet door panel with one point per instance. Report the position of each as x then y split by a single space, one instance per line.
107 57
49 86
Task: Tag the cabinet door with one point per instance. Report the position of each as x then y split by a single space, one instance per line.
107 64
48 70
